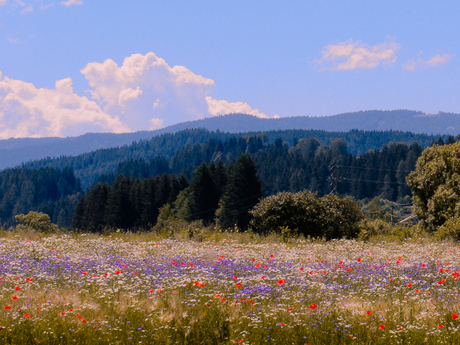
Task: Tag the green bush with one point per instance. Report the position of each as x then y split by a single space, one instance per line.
374 228
35 221
449 230
329 217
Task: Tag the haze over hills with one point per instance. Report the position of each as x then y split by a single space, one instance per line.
16 151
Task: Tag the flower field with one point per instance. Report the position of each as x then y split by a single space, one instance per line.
87 289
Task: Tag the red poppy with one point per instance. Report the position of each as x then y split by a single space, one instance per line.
368 312
7 307
238 285
240 340
409 285
264 277
150 291
63 313
175 291
17 288
14 298
235 277
313 306
84 321
440 326
454 316
27 316
202 284
381 326
349 269
117 272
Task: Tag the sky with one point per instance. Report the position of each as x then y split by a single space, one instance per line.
77 66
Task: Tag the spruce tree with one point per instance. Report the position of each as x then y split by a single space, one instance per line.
204 195
243 191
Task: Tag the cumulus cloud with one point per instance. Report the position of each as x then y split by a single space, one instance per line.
351 55
27 111
437 60
220 107
71 2
144 93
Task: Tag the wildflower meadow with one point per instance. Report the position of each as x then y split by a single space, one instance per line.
132 289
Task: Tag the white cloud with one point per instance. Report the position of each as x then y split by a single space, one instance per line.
437 60
27 111
145 87
144 93
410 65
71 2
27 10
3 2
220 107
351 55
11 40
156 124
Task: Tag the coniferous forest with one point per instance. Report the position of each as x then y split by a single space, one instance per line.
207 176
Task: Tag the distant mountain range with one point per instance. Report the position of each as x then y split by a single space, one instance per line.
14 152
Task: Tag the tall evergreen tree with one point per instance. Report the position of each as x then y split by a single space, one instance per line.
243 191
204 195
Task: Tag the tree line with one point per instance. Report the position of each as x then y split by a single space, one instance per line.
89 166
133 194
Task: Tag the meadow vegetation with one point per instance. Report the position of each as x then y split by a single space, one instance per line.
185 283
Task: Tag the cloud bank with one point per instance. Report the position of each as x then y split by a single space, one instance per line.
351 55
144 93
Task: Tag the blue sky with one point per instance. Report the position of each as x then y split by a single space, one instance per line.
75 66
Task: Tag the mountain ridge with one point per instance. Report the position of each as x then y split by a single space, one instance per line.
14 152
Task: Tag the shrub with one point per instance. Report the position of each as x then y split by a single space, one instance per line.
449 230
35 221
330 217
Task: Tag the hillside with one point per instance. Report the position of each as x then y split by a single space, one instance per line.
13 152
89 166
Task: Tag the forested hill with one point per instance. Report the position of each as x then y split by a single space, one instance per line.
150 182
16 151
89 166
